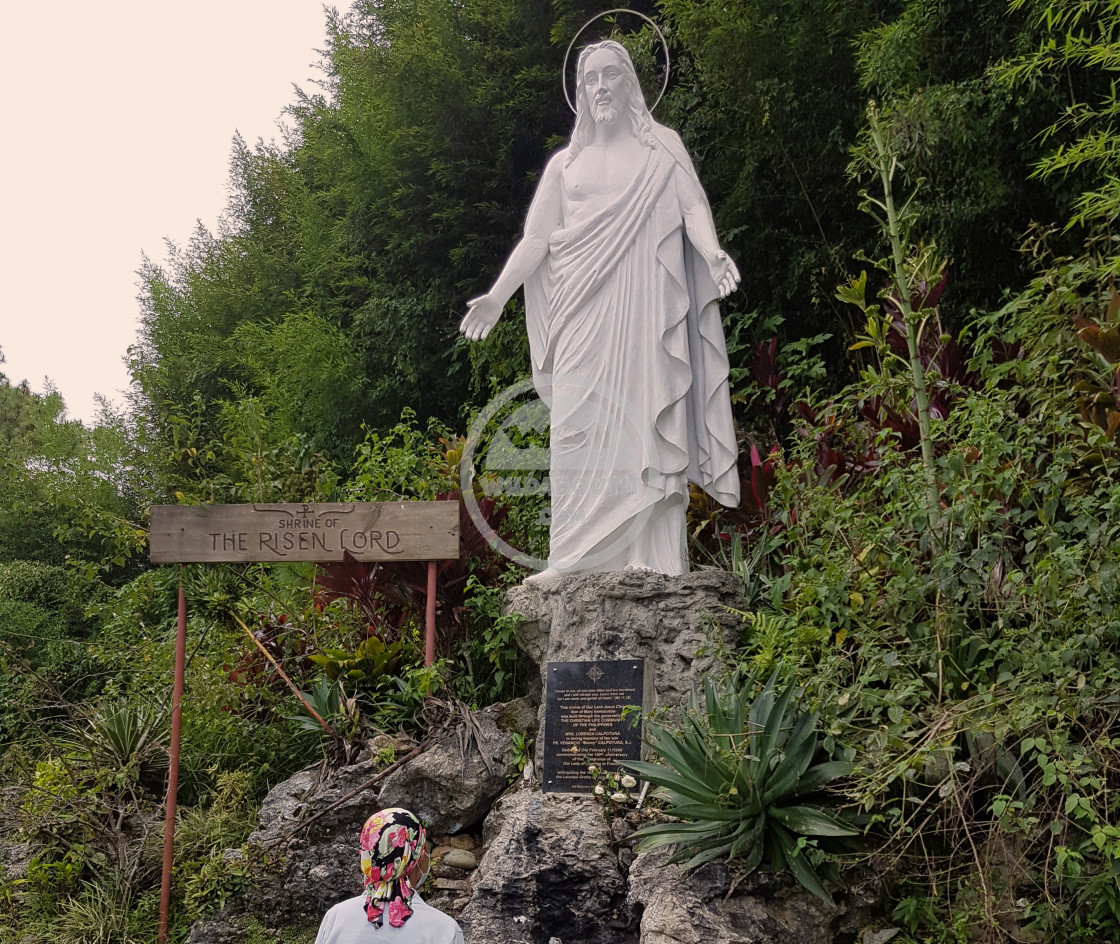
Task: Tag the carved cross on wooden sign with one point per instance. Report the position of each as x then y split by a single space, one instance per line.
321 532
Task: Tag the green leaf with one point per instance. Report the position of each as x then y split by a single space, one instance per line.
701 857
685 756
708 811
717 843
694 835
800 748
855 292
799 866
774 734
817 776
663 777
811 821
749 836
760 710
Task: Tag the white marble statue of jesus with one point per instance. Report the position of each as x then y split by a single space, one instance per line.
623 274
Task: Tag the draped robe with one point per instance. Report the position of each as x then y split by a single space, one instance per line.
628 352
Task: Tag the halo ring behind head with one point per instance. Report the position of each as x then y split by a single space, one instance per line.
597 16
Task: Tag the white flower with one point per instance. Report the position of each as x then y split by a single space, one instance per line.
629 782
619 797
592 769
599 791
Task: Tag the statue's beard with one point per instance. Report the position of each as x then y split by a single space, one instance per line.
604 114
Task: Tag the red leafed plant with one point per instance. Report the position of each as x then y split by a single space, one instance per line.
1098 398
277 635
391 595
710 524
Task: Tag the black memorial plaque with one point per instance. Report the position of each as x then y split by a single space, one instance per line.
583 722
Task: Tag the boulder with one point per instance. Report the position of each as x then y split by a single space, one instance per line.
306 793
15 858
460 859
549 871
672 908
320 866
225 927
452 785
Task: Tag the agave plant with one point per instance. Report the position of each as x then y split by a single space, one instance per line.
344 730
123 736
740 777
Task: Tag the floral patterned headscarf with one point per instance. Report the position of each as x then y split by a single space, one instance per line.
391 844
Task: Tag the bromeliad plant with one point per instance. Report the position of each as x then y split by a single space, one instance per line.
741 777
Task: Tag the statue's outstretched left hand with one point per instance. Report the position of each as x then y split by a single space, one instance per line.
724 273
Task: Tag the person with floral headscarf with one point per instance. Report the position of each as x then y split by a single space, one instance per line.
395 862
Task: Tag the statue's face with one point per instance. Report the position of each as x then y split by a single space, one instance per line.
606 85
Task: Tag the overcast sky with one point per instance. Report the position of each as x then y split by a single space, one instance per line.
117 131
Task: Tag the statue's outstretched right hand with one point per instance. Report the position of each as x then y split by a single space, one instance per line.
482 314
724 273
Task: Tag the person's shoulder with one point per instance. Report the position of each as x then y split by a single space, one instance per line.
347 906
340 919
440 919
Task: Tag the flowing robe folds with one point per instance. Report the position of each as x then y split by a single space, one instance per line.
628 352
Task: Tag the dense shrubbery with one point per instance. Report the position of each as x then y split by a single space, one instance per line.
971 670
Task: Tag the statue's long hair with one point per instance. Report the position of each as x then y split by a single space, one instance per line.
641 121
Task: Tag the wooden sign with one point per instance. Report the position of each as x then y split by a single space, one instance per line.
370 531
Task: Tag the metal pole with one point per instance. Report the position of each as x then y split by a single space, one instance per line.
430 617
173 774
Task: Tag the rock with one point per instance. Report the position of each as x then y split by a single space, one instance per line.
548 870
582 617
15 858
675 909
460 859
451 786
222 928
381 744
322 865
629 615
313 789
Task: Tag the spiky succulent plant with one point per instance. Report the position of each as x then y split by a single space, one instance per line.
740 775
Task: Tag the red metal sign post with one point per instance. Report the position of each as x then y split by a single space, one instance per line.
173 775
430 617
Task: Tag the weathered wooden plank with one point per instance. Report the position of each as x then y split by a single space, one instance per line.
370 531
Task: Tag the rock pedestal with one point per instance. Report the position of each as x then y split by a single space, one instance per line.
549 872
555 870
673 623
